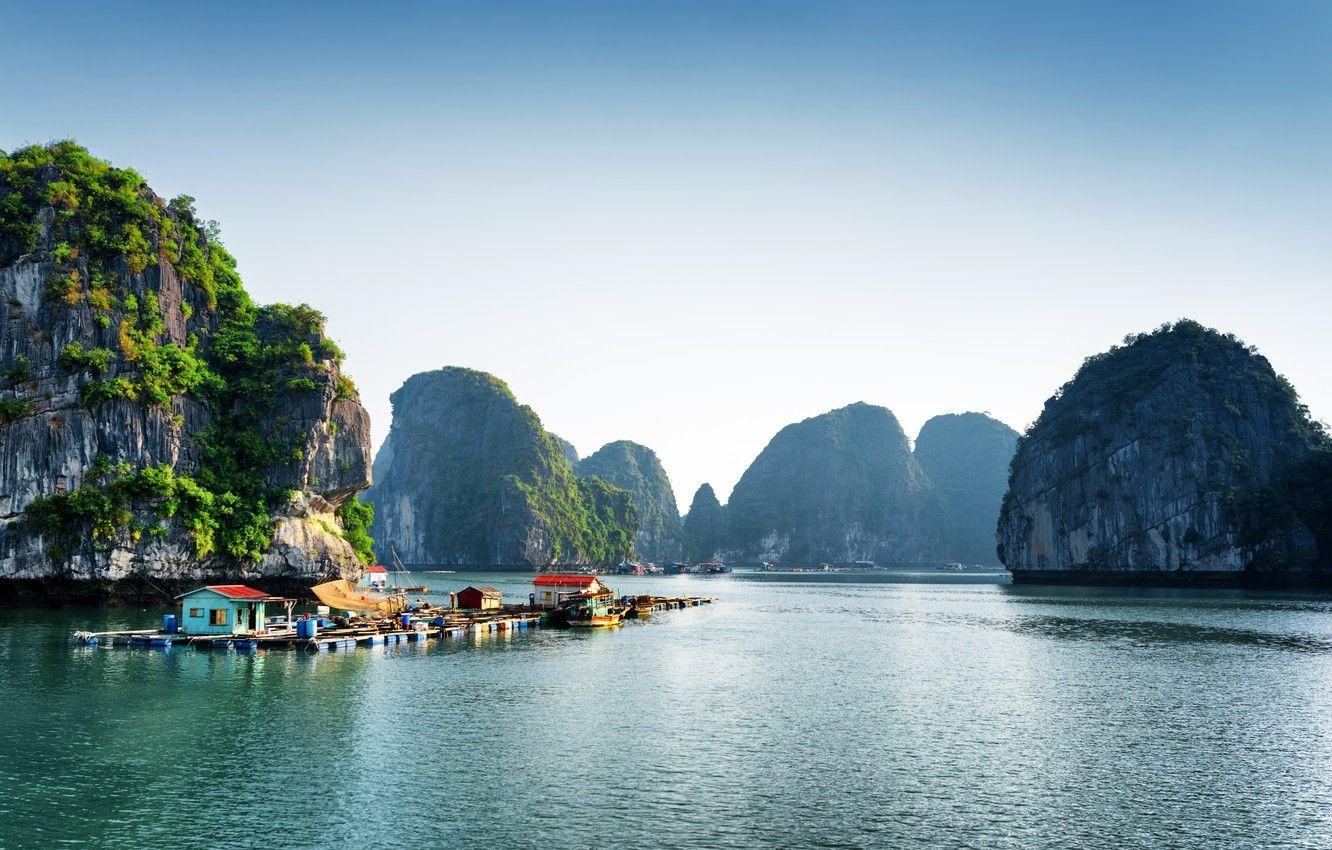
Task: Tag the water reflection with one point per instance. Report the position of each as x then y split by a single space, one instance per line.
1154 632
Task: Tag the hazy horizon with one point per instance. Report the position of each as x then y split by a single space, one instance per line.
692 225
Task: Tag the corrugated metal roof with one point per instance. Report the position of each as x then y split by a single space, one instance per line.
564 581
234 591
485 590
376 569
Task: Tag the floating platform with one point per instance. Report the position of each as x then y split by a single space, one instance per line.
418 626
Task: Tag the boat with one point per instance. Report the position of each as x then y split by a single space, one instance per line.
593 612
341 595
638 606
711 568
592 609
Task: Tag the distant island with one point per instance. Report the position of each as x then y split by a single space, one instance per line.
469 478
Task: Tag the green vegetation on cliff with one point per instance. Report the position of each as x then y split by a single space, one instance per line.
102 506
111 243
357 517
1110 385
636 469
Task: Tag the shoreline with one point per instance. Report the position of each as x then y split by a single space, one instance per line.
131 590
1208 579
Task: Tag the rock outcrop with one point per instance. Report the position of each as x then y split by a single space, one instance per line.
468 477
1179 457
570 453
705 531
840 487
636 469
153 421
966 457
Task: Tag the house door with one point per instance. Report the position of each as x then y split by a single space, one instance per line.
253 626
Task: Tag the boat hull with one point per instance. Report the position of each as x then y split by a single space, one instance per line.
596 621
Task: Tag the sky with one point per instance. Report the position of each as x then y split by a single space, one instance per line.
690 224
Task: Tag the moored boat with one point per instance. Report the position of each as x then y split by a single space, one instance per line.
711 568
590 611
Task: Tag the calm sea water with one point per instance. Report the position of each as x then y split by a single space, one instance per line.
810 711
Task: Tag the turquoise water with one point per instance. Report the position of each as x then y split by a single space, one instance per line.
799 711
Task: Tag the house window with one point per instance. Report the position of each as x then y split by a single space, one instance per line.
217 616
196 612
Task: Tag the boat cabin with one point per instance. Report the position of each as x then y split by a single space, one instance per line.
375 577
224 609
551 589
480 598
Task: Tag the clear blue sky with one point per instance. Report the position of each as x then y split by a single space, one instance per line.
688 224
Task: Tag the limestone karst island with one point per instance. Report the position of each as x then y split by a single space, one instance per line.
666 425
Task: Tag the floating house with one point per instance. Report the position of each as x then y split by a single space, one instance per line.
480 598
552 588
224 609
375 577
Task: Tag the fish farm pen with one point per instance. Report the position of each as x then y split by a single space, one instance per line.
342 633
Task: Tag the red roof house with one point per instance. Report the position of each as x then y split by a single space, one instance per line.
480 598
552 588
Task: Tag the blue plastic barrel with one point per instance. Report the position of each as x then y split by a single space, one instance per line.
438 621
406 621
170 624
307 628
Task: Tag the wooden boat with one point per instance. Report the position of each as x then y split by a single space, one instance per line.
592 611
342 595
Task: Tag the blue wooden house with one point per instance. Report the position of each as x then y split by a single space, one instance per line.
224 609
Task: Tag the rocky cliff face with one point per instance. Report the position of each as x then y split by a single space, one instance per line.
153 421
468 477
1174 458
636 469
966 456
839 487
705 530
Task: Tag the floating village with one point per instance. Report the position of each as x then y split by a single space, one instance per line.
374 612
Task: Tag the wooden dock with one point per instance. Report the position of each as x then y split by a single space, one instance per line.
423 625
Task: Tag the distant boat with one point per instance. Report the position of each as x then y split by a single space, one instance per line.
711 568
678 569
952 568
